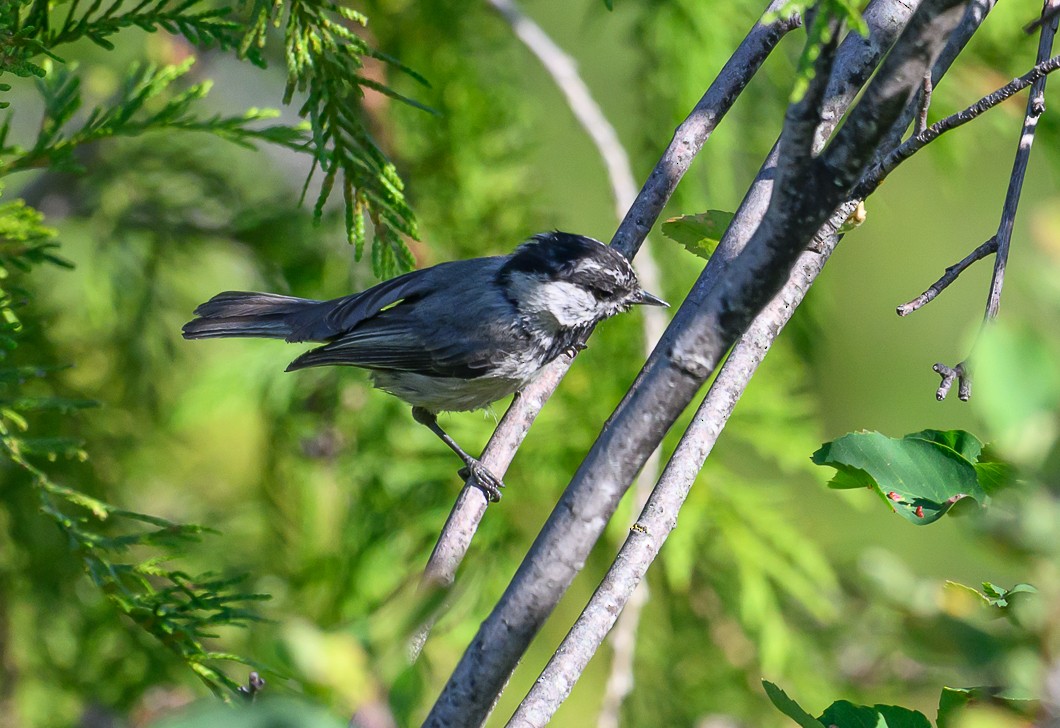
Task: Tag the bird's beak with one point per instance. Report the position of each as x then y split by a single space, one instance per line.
649 299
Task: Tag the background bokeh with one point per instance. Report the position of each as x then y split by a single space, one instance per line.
329 496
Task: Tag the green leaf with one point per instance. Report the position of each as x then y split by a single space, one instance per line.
920 475
953 701
701 233
1002 598
789 707
844 714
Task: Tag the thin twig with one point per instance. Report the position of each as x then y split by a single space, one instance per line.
1045 17
1035 108
914 144
949 374
922 108
990 246
1002 239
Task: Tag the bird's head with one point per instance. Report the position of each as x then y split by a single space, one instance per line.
568 281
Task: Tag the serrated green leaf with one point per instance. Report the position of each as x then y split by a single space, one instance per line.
699 234
920 475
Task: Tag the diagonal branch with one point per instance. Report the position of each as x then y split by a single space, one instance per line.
1035 108
688 139
948 277
564 72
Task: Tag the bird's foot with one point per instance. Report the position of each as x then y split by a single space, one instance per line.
574 349
483 479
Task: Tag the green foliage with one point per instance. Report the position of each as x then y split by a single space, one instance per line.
700 234
844 714
144 103
180 610
921 476
325 62
267 713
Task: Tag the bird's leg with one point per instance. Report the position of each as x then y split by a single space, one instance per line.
489 483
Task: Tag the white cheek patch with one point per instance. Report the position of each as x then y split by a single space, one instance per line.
567 304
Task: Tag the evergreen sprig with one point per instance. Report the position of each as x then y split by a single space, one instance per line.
325 62
144 103
201 24
180 610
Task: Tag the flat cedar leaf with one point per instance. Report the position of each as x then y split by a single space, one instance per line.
700 233
789 707
920 475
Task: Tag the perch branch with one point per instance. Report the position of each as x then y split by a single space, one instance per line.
688 139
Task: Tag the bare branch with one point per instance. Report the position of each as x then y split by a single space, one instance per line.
990 246
688 139
914 144
660 516
1035 108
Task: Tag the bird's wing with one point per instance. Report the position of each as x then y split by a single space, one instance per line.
432 335
391 346
331 319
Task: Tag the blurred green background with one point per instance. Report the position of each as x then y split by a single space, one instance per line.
330 497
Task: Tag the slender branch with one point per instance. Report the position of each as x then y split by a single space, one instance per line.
1035 108
563 70
675 372
688 139
1036 79
990 246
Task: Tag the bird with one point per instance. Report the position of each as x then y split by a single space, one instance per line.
453 337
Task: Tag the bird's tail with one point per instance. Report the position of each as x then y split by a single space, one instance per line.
238 313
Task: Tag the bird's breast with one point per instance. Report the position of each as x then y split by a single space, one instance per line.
446 394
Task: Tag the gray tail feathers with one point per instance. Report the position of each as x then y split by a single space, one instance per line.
238 313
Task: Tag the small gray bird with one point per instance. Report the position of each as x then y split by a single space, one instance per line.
453 337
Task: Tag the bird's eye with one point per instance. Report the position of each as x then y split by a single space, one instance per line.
601 293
